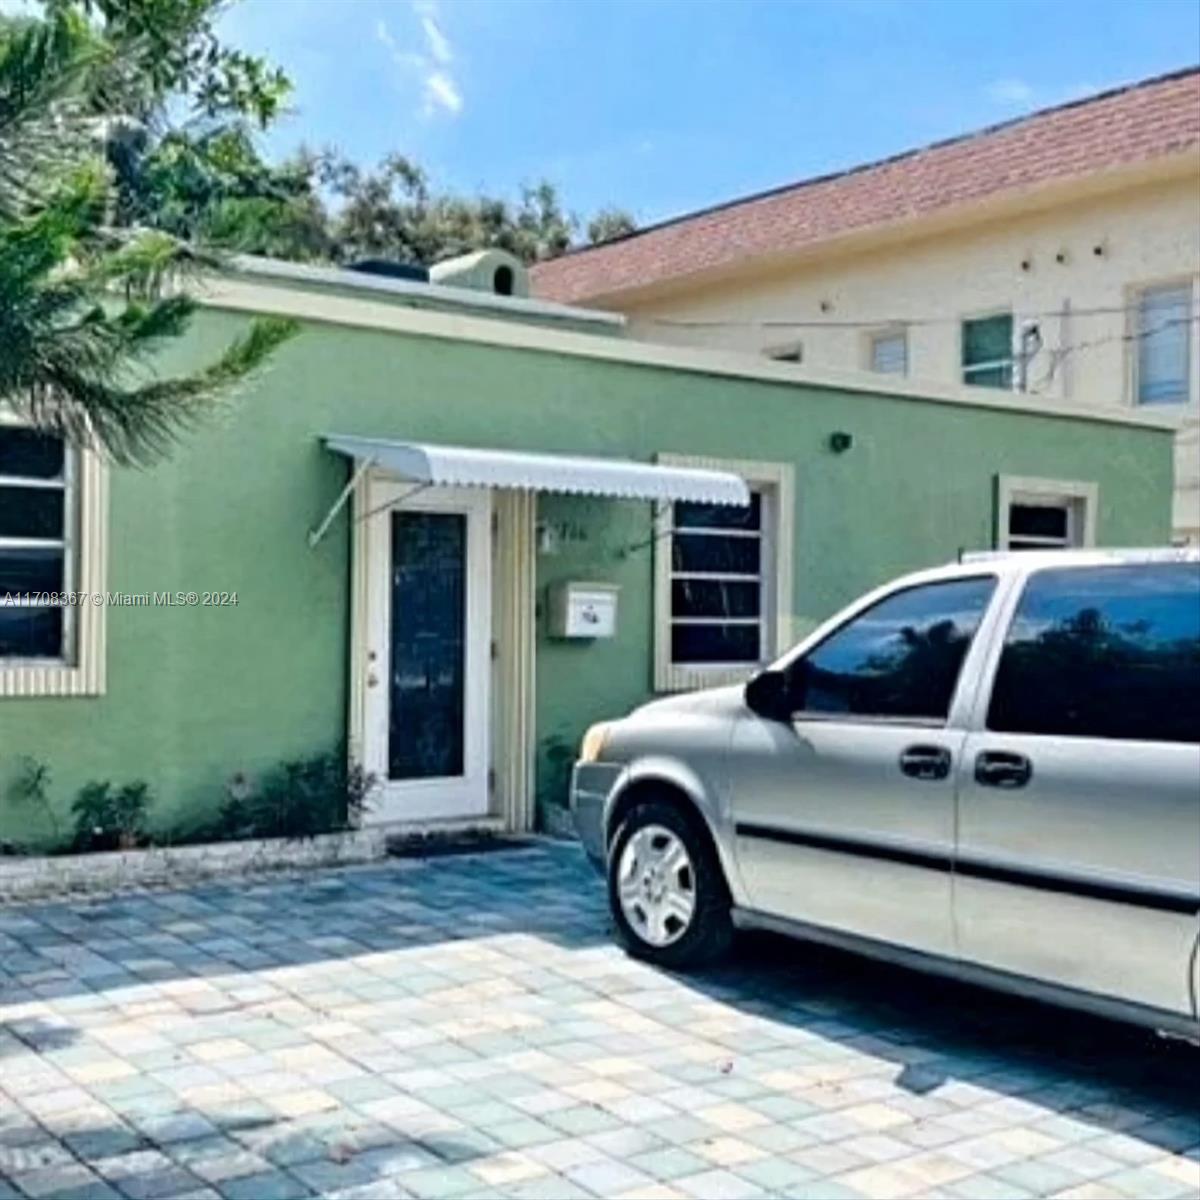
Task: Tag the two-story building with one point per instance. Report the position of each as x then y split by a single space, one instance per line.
1057 255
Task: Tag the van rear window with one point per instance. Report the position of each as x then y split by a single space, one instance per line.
1104 652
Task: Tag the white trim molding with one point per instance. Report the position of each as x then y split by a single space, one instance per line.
512 681
1081 498
257 296
776 482
81 670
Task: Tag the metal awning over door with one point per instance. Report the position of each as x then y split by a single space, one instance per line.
428 465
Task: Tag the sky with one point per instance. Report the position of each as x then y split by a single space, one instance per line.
663 106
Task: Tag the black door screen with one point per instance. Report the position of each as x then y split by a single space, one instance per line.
428 667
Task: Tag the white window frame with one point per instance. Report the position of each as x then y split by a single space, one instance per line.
889 334
1079 498
776 482
80 671
1133 308
1011 361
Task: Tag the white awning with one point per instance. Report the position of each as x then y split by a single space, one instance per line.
462 466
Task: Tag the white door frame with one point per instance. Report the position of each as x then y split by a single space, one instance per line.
458 797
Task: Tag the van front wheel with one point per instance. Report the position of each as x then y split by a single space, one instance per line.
666 888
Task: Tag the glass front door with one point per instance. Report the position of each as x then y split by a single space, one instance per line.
428 677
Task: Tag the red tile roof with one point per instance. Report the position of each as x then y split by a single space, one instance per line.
1115 129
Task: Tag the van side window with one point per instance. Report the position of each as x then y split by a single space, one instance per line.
901 657
1104 652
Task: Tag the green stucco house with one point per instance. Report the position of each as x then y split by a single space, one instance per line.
449 528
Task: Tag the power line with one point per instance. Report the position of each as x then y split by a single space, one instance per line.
879 322
1059 354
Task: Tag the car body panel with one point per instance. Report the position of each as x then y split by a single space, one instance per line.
818 830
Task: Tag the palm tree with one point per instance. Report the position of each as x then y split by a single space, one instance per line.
83 305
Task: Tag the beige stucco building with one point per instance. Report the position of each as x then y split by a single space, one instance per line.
1057 255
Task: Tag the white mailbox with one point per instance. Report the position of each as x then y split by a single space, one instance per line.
583 610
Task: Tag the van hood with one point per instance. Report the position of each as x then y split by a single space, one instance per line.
719 699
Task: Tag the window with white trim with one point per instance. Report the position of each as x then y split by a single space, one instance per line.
1164 344
723 580
1045 514
889 352
720 594
987 351
37 546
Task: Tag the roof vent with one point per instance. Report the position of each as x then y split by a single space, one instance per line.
413 272
494 271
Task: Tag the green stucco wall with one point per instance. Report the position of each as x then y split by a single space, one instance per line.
197 694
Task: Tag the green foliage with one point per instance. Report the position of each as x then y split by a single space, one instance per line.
32 788
298 799
83 305
609 224
169 49
111 819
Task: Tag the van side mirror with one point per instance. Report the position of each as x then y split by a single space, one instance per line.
767 695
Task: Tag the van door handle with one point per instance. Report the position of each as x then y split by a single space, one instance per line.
925 762
998 768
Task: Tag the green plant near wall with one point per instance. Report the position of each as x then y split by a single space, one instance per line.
108 818
297 799
31 788
558 757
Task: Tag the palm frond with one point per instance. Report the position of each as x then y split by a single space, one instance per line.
140 423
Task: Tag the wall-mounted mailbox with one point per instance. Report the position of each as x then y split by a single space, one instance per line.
583 610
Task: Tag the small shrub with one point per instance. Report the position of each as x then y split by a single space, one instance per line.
298 799
111 819
32 787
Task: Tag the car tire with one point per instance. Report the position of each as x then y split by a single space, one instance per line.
651 835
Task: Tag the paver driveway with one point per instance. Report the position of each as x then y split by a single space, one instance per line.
462 1027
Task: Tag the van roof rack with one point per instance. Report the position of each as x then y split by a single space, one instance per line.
1130 554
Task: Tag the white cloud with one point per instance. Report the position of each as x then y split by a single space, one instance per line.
440 91
439 44
1010 91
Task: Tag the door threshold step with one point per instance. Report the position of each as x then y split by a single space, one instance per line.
430 842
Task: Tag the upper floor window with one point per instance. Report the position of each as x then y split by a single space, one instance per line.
1164 340
898 660
889 352
790 352
36 545
987 351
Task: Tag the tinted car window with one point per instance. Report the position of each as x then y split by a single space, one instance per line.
900 658
1104 652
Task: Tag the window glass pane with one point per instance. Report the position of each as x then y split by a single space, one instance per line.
900 658
31 512
30 632
708 552
715 598
715 643
1110 652
24 452
997 377
889 354
720 516
1165 335
987 340
428 663
1038 520
27 570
